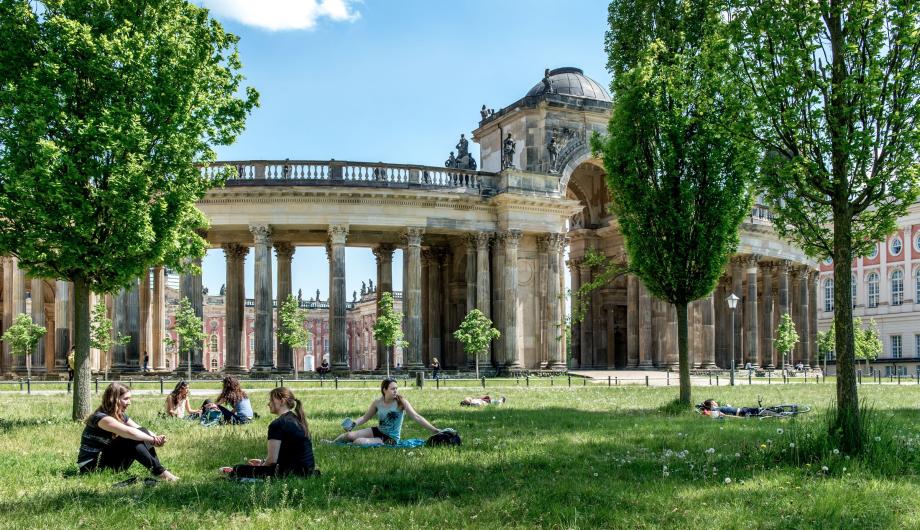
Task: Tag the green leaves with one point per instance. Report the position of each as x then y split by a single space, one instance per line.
100 334
388 326
23 335
786 335
475 334
188 328
290 324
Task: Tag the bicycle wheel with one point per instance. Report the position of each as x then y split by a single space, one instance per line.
785 410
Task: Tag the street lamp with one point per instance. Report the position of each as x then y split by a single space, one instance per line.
732 304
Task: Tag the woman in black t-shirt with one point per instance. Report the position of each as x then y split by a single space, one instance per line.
290 450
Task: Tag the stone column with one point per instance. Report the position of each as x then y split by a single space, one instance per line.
470 272
143 313
767 352
750 313
17 306
738 290
234 300
555 329
384 255
811 313
158 320
284 252
263 298
782 271
671 357
513 354
482 272
435 304
412 297
62 337
632 321
126 319
541 309
337 236
38 318
708 360
800 313
7 315
498 297
586 326
645 327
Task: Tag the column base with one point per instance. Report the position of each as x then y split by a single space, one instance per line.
263 368
709 366
234 370
646 365
558 366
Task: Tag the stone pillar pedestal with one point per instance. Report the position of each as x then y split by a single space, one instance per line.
263 298
126 357
709 332
752 341
767 347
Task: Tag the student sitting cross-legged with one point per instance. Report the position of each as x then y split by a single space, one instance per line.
290 449
389 409
113 440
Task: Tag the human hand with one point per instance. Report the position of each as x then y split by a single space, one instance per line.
256 461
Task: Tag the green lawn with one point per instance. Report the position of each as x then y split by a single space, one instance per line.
552 457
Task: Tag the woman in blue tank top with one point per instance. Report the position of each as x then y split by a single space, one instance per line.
390 410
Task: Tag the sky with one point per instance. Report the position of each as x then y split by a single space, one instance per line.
390 81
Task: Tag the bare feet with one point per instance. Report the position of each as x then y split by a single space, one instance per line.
166 476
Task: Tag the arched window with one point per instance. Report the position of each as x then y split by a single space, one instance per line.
853 290
897 287
213 344
213 365
873 253
828 295
895 246
872 289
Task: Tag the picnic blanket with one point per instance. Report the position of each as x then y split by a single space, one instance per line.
403 444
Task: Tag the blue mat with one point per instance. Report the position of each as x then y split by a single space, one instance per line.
403 444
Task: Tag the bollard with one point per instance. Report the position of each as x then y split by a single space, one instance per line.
130 383
321 382
97 385
616 381
717 379
769 376
527 379
668 380
899 377
437 383
710 378
161 385
29 385
68 387
584 381
483 380
20 384
551 379
336 382
608 380
420 379
749 378
570 380
646 380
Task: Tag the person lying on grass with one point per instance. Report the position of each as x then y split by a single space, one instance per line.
481 401
177 405
290 448
711 407
233 395
112 440
390 409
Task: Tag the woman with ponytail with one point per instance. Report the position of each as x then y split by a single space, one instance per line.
290 449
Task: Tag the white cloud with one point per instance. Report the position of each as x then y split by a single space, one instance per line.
277 15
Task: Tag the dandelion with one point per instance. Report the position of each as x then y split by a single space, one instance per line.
779 431
737 455
728 480
836 451
791 445
710 451
763 446
878 438
664 468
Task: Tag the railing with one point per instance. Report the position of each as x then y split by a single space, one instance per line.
319 304
307 172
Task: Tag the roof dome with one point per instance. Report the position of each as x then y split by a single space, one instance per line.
570 81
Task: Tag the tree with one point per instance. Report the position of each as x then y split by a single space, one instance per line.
105 110
23 337
679 182
290 326
835 87
388 326
867 343
475 334
101 334
189 332
786 337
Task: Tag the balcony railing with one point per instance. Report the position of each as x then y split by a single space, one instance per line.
331 172
321 304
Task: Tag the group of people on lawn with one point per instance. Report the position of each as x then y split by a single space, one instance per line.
112 440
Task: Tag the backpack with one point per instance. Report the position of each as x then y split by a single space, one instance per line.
211 417
445 437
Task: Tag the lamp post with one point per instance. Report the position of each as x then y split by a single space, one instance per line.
732 304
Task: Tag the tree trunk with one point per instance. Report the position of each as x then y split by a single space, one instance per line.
682 353
81 368
847 421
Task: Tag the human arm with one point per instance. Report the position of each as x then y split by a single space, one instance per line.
189 409
271 458
170 407
367 415
131 431
418 417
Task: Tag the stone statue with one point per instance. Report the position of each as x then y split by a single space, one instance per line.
317 295
451 160
354 296
299 295
484 112
508 148
363 288
204 291
370 286
547 82
223 289
463 147
552 149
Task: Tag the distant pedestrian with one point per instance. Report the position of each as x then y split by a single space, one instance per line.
146 362
71 357
435 369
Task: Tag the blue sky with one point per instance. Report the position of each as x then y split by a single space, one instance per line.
392 81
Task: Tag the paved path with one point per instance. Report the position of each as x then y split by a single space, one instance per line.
663 378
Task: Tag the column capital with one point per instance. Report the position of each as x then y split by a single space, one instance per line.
413 236
738 260
262 233
383 253
338 233
812 275
482 240
784 266
234 251
752 262
573 264
512 237
284 250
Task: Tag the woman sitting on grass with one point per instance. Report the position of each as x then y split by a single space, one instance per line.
113 440
234 396
290 450
390 409
177 405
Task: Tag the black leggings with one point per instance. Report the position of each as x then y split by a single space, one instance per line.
232 416
122 452
247 471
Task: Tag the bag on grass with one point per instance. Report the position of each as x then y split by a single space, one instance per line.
211 417
445 437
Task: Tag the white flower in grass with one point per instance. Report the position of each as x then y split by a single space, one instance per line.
595 475
779 431
728 480
665 474
710 451
878 438
791 445
824 469
836 451
664 468
737 455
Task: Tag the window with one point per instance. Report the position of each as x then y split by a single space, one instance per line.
917 243
896 352
853 289
917 286
828 295
917 347
895 246
310 345
873 253
872 289
828 260
897 288
213 345
213 365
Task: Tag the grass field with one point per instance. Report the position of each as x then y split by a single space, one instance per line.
552 457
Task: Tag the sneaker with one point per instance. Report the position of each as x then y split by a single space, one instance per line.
501 400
